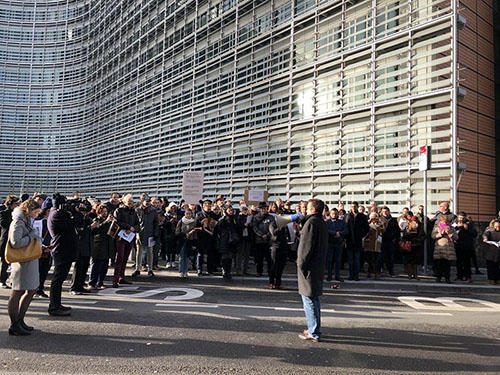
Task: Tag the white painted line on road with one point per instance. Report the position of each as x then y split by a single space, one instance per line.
96 308
186 305
421 313
289 309
367 290
200 313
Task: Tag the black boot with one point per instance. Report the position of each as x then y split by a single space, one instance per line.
25 326
17 330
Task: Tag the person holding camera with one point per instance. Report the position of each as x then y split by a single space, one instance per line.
103 248
84 226
63 243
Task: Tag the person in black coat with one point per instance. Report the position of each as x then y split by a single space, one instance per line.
357 224
5 219
260 225
127 219
390 239
64 251
103 248
205 222
85 243
464 246
311 260
227 235
279 252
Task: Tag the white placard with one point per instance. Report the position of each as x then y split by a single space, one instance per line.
192 186
256 195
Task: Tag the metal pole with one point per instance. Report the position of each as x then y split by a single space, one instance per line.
426 240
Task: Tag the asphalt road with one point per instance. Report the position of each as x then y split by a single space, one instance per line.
209 326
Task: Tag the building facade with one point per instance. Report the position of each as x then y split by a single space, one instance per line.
303 98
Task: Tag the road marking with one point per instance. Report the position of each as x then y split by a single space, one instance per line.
449 303
421 313
186 305
201 313
189 293
288 309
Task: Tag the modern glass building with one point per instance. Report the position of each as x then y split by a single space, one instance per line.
330 99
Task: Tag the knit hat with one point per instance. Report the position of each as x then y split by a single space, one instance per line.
47 204
170 205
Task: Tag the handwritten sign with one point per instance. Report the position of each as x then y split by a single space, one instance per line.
192 186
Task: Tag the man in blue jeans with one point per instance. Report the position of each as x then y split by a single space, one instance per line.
337 231
311 258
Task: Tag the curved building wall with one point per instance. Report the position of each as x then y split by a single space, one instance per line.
323 98
43 94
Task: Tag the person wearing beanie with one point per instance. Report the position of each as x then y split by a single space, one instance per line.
24 197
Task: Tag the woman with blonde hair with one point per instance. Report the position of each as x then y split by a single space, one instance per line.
24 276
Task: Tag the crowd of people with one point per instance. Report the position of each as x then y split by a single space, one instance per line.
217 236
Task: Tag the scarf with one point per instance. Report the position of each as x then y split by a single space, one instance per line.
187 221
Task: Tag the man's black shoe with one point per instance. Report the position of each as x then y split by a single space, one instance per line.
59 312
135 273
123 281
340 279
41 294
151 274
115 285
65 308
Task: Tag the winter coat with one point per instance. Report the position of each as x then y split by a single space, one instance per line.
260 224
126 218
169 226
205 220
466 238
184 227
492 252
334 226
416 237
104 247
148 225
311 256
5 220
358 228
373 240
64 236
85 242
444 248
227 236
392 231
279 238
21 233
